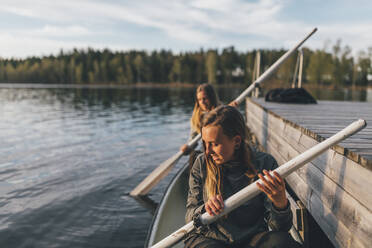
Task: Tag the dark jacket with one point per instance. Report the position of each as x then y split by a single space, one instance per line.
252 217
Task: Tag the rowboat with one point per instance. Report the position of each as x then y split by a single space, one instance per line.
170 214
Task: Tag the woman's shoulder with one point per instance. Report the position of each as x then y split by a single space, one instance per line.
263 160
199 165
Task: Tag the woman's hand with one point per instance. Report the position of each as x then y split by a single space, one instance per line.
274 188
233 104
185 148
214 205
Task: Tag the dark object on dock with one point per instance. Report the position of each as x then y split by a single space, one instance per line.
291 95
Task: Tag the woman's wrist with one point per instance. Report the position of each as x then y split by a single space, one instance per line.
281 206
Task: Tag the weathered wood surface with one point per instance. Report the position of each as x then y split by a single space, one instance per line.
336 186
326 117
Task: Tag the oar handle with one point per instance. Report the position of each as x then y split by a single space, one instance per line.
270 71
252 190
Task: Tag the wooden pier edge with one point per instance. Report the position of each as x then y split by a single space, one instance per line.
332 187
290 142
337 148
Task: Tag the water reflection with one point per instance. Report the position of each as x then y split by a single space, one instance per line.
67 156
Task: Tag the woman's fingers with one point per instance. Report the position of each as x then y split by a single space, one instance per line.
219 197
208 209
184 148
279 179
274 187
277 182
270 188
233 104
214 205
273 182
262 188
272 178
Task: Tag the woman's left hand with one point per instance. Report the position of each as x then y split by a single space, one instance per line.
274 187
233 104
214 205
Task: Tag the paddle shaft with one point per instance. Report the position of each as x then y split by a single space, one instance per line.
162 170
252 190
272 68
263 77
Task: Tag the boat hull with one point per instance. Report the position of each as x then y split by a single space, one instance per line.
170 214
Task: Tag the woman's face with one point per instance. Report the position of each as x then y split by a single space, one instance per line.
219 146
203 101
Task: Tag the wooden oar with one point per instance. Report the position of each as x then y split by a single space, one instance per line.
163 169
160 172
252 190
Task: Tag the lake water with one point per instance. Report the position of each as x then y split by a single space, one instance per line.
70 156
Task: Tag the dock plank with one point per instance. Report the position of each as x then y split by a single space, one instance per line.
328 163
328 117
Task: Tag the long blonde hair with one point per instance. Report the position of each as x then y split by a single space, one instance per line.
232 123
197 113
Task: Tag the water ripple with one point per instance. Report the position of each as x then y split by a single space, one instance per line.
68 156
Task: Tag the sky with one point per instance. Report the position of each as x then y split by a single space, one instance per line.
44 27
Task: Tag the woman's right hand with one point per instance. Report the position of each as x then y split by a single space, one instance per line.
214 205
185 148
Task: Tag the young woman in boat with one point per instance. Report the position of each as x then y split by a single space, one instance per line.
228 165
206 100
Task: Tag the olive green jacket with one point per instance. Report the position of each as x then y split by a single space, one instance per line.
254 216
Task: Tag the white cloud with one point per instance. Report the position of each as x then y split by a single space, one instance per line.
58 31
232 16
351 34
24 46
17 11
203 23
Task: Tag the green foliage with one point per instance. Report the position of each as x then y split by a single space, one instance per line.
320 68
337 68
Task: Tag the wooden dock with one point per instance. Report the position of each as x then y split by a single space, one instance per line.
336 187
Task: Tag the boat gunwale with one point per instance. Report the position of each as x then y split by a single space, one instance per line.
155 219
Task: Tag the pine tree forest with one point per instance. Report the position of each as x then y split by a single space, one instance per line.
336 68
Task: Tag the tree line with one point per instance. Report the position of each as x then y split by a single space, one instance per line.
88 66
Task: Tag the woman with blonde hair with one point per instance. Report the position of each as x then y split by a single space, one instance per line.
206 99
228 165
